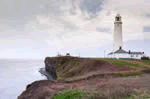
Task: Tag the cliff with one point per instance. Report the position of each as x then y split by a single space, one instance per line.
82 73
50 66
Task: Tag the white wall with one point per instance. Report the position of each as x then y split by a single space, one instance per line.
125 56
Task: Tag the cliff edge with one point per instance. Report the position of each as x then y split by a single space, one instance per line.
85 73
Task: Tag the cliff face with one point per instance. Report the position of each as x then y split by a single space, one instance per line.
57 65
50 66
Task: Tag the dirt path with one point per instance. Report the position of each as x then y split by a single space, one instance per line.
142 81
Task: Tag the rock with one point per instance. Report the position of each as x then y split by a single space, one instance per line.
38 90
50 66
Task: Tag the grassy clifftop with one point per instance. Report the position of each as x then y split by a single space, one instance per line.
70 67
138 64
81 68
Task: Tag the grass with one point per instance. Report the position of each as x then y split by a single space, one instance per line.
117 92
60 77
70 94
128 73
146 61
73 67
130 63
67 66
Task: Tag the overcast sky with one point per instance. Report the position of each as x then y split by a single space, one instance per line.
40 28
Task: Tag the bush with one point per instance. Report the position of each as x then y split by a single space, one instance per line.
144 58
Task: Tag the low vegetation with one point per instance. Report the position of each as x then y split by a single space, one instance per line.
70 94
128 73
69 67
118 92
146 61
139 64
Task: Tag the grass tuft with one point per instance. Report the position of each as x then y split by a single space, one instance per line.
128 73
69 94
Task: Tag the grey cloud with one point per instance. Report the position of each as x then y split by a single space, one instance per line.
12 23
100 29
92 6
15 14
73 11
70 26
74 8
18 12
146 29
108 13
148 15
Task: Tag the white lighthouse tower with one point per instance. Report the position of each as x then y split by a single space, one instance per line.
117 35
118 51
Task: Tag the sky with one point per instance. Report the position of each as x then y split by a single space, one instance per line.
39 28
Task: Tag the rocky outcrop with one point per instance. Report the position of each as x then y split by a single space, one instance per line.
38 90
50 66
43 72
45 89
52 62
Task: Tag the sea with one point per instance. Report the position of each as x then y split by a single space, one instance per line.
16 74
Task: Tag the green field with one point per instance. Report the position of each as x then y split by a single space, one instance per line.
139 64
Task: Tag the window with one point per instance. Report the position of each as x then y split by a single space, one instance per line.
117 18
136 55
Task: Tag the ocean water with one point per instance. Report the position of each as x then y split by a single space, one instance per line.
16 74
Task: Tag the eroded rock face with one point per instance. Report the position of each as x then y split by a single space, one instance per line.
50 66
38 90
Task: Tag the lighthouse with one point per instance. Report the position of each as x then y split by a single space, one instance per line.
117 35
117 51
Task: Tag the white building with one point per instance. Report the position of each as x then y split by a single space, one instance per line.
117 51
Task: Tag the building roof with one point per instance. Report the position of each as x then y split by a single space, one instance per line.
137 53
110 53
121 51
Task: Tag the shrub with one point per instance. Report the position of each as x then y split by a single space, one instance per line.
144 58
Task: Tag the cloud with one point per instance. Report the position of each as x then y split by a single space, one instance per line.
92 7
85 40
146 28
62 20
148 15
100 29
67 25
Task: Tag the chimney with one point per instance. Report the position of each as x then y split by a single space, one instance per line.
120 47
129 51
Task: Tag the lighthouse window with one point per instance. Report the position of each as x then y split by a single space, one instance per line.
117 18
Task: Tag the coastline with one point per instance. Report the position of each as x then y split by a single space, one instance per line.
76 75
49 77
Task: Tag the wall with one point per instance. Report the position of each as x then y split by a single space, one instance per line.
124 56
